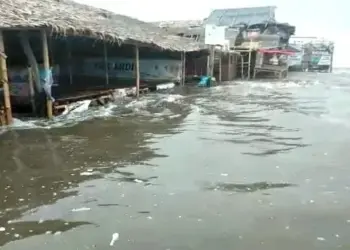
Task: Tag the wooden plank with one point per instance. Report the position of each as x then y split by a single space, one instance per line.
47 68
137 71
4 82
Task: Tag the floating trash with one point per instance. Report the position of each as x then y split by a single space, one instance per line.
321 239
81 209
2 229
115 237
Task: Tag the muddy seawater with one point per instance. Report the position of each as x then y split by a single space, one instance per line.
244 165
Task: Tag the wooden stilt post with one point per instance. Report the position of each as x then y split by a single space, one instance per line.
69 51
47 68
208 65
229 73
220 65
183 71
31 89
242 67
212 60
249 59
106 62
137 71
4 81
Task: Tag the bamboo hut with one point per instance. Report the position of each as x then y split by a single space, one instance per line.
84 48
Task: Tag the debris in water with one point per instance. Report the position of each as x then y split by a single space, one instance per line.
86 173
138 181
81 209
321 239
277 167
57 233
224 174
115 237
16 235
40 221
337 235
149 217
312 201
48 232
287 227
2 229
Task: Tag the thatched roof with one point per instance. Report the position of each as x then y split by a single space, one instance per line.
68 17
179 24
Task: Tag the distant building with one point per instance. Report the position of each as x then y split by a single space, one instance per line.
313 54
244 25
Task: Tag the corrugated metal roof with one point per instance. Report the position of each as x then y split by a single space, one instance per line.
249 16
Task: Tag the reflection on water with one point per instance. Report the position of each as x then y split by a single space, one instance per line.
143 169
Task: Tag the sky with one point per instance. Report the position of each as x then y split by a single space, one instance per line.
311 17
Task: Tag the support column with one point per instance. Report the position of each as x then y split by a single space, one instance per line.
137 71
46 68
220 66
229 66
69 51
4 81
183 71
212 60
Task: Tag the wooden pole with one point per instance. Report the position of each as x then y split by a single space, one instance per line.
4 81
69 50
220 65
229 73
249 58
27 49
212 60
31 89
106 62
242 67
46 68
183 71
208 65
137 70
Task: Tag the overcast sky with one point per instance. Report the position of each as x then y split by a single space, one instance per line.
329 19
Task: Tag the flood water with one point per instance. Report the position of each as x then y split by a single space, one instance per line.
244 165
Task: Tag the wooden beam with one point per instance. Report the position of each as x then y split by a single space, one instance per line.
4 82
137 71
46 68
